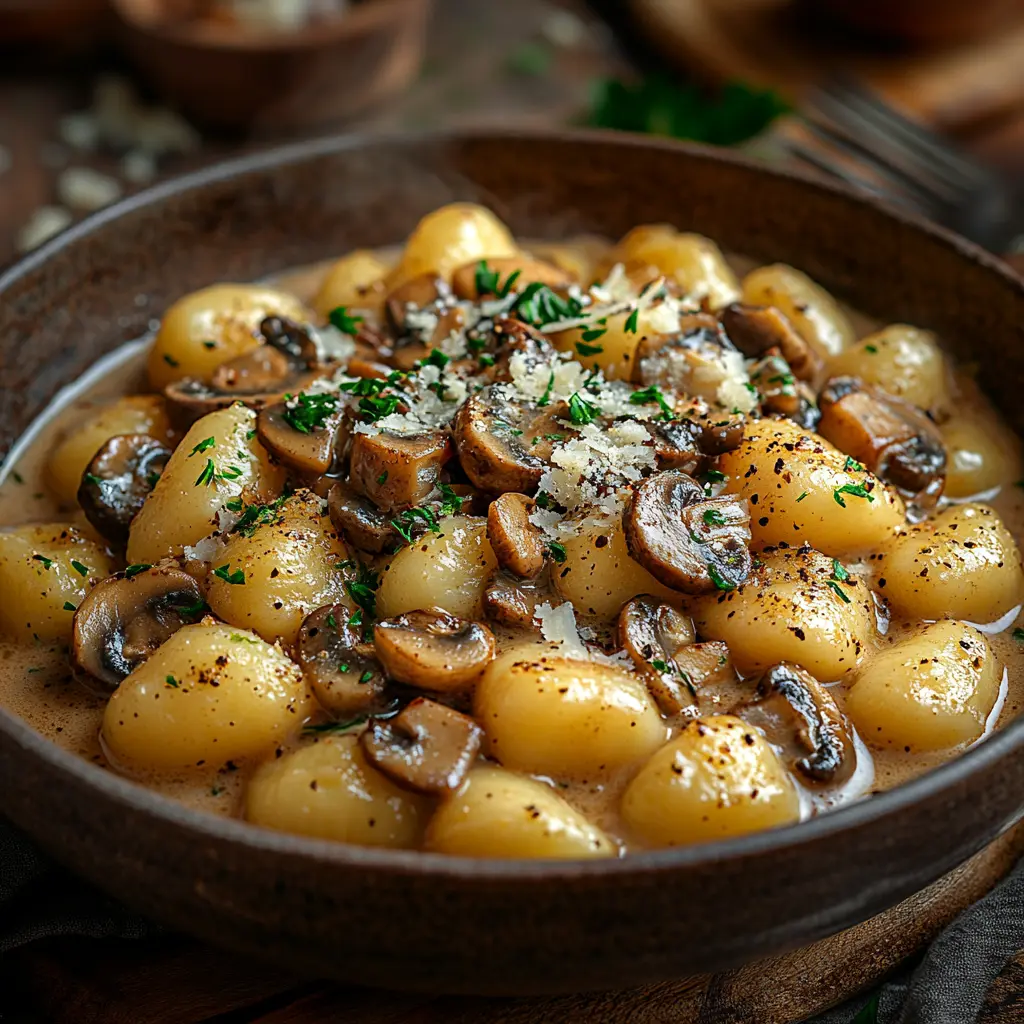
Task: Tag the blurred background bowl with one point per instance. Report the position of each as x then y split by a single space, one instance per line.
37 21
924 22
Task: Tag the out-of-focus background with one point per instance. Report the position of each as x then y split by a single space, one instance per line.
99 98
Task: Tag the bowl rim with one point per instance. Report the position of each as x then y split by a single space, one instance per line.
136 797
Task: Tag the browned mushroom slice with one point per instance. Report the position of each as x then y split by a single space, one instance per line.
427 747
411 297
892 438
362 524
756 329
512 600
495 275
433 650
653 633
516 541
291 339
708 667
799 716
675 445
341 669
125 618
117 480
308 447
782 394
396 470
684 541
720 434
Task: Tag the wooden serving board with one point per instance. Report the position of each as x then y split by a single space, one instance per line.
175 981
966 89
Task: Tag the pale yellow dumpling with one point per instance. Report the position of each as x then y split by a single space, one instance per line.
817 316
450 237
208 695
449 570
289 567
499 814
328 790
356 281
211 326
45 572
219 460
981 453
599 577
803 490
933 690
564 716
718 778
792 609
963 564
134 414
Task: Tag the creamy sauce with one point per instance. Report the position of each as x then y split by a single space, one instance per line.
37 685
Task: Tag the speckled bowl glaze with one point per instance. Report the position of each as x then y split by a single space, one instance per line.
404 919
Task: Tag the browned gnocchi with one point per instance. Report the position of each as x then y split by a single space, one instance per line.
496 548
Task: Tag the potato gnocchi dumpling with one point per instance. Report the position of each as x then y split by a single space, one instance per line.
208 695
207 328
934 689
799 606
219 462
499 814
962 564
562 549
803 490
718 778
45 572
564 717
328 790
133 414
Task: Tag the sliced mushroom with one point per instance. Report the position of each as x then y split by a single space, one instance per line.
117 481
653 633
433 650
309 450
684 541
428 747
526 269
362 524
517 543
709 668
398 470
415 294
799 716
512 600
341 669
124 619
891 437
291 339
675 445
754 330
504 446
782 394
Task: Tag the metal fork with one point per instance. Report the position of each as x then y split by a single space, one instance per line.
851 133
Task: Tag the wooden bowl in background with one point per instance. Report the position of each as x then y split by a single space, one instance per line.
404 919
40 21
226 77
922 22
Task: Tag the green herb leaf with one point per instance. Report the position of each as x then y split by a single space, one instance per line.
82 570
47 562
255 516
1018 635
203 446
802 496
134 570
383 478
239 639
539 305
839 590
852 465
377 408
632 322
839 571
557 551
856 490
208 474
170 360
546 397
873 349
346 323
451 503
713 476
868 1014
306 413
589 350
714 518
485 279
236 578
720 582
69 607
582 412
652 396
92 478
171 681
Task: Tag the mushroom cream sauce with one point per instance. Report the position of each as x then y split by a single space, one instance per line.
36 682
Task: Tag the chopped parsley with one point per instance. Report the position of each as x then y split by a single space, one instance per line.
171 681
332 622
47 562
673 669
839 571
856 490
234 505
366 676
585 349
362 591
581 411
238 638
852 465
309 412
1018 635
69 607
204 445
236 578
170 360
377 407
839 590
208 475
383 478
82 570
451 503
632 322
326 727
409 516
714 518
713 476
539 305
557 551
720 582
344 321
134 570
259 515
802 496
544 500
873 349
652 396
546 397
194 609
92 478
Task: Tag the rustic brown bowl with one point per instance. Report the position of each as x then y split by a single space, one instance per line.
405 919
277 82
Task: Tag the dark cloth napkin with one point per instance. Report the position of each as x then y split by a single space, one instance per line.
945 986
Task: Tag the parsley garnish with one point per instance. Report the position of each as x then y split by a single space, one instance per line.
234 505
361 590
346 323
203 446
714 518
589 350
544 499
47 562
335 726
69 607
92 478
310 411
873 349
632 322
236 578
486 280
410 515
383 478
1018 635
852 464
451 503
134 570
376 408
539 305
259 515
332 622
171 681
857 490
802 496
546 397
82 570
652 396
208 474
581 411
719 580
714 475
839 571
557 551
673 669
437 358
170 360
239 639
839 590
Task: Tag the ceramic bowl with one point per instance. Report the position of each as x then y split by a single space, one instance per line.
429 922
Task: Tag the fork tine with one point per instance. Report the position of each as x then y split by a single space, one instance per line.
849 92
